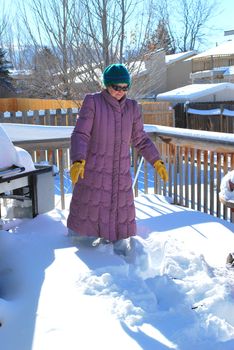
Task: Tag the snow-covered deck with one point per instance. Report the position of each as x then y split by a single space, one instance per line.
172 290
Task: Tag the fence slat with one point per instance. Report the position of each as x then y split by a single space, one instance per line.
211 183
192 166
218 177
198 173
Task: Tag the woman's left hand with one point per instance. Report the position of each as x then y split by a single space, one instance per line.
161 169
77 170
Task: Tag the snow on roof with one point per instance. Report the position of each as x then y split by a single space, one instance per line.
169 59
85 76
138 68
194 92
17 72
226 48
229 71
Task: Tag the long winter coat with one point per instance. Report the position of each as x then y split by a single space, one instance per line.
102 203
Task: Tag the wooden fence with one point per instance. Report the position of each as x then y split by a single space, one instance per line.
160 113
210 116
31 104
58 117
196 162
59 112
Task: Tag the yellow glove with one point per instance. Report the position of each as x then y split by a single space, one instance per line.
161 169
77 170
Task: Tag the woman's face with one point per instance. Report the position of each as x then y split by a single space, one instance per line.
118 90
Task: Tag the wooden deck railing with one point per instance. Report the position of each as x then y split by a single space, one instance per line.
196 162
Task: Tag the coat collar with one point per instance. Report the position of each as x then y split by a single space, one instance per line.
119 105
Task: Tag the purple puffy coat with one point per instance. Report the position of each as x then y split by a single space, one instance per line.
102 203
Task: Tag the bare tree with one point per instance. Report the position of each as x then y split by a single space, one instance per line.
49 24
83 37
186 20
110 31
195 14
4 19
101 33
103 26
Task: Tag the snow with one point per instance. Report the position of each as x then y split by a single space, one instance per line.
226 48
15 72
8 158
169 59
228 112
199 135
215 111
194 92
225 190
11 155
174 291
28 132
229 71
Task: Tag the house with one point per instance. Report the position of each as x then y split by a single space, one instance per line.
199 93
149 75
159 72
215 65
179 68
202 106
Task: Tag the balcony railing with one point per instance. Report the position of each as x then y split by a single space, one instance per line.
196 162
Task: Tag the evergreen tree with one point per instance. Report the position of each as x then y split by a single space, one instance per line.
5 78
160 38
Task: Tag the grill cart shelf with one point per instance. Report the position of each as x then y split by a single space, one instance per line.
31 192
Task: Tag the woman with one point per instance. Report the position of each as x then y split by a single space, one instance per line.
102 203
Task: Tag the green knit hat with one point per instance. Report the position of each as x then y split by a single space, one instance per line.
116 74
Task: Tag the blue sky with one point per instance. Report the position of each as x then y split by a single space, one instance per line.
222 22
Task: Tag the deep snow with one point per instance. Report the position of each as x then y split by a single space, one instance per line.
173 292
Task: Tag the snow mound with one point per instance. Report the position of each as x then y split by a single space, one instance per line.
172 290
11 155
225 190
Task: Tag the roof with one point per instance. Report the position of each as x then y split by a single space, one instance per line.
194 92
226 48
169 59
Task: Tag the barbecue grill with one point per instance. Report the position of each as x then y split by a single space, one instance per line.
26 193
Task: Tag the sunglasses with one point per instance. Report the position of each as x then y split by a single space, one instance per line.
120 88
